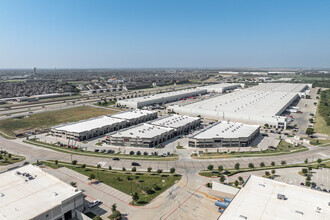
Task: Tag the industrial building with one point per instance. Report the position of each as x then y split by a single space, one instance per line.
225 134
266 199
144 135
29 193
221 88
136 116
86 129
159 98
180 124
256 105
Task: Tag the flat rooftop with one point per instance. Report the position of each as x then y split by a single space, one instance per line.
21 199
174 121
132 114
142 131
87 125
262 100
224 129
162 95
258 200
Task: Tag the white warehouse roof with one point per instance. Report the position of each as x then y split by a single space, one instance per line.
21 198
225 129
132 114
174 121
142 131
258 104
258 200
90 124
159 98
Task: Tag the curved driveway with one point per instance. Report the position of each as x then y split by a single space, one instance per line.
183 165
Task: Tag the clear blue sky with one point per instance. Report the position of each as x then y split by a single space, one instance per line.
167 33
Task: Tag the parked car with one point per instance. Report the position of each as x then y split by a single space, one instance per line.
115 158
96 202
135 164
96 150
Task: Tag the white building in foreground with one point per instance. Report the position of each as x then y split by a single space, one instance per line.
225 134
266 199
30 193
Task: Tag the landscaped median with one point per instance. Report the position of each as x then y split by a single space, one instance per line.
211 172
143 186
282 148
7 158
103 155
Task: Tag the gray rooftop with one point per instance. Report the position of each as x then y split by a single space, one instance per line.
174 121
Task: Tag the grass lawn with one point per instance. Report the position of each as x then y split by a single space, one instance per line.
322 114
282 148
6 159
13 126
98 154
127 181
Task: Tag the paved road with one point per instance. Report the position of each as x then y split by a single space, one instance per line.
184 164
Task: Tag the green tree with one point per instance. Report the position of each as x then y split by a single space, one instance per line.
306 160
283 162
114 207
237 166
262 164
241 179
149 169
133 169
56 162
97 218
273 172
74 162
236 183
135 196
251 165
308 178
319 160
92 176
222 179
74 184
83 166
172 170
220 168
304 171
267 173
310 168
210 167
159 171
116 215
272 163
124 169
110 167
309 131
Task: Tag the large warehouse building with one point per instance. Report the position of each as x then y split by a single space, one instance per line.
155 132
144 135
136 116
181 124
30 193
83 130
266 199
93 127
225 134
221 88
160 98
257 105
